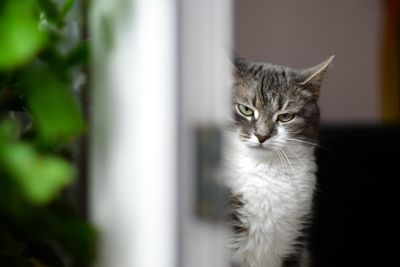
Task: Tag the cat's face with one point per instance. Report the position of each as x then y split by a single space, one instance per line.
275 106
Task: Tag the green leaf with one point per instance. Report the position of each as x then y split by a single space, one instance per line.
39 177
41 254
8 244
67 7
56 113
49 9
78 237
20 36
78 55
8 130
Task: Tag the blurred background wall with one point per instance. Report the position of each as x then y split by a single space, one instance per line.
304 33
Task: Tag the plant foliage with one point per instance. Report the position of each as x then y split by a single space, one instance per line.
40 121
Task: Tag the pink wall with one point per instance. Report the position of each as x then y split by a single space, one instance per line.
301 33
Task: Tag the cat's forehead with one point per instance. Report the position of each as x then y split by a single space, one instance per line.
264 86
255 70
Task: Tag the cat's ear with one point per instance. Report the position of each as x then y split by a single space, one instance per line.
239 64
312 78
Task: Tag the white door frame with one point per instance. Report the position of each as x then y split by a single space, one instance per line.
158 72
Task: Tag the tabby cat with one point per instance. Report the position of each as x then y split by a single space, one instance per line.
272 166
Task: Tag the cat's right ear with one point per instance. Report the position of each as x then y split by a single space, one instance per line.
312 78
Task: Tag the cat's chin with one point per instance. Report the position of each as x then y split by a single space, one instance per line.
261 152
259 148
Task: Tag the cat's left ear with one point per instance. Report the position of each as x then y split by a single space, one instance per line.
311 78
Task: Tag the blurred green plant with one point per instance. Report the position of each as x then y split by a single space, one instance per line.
40 120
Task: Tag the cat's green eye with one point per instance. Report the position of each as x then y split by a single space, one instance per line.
285 117
246 111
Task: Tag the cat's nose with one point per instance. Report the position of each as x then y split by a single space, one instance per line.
261 138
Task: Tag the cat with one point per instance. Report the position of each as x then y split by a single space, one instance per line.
270 151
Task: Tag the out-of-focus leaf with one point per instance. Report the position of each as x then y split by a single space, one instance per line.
20 37
8 130
78 55
7 259
78 237
8 244
50 10
56 112
39 177
53 13
36 263
44 254
67 6
10 100
37 64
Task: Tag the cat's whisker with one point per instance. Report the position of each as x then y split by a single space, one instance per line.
284 161
281 159
302 141
311 143
287 158
293 172
319 146
297 156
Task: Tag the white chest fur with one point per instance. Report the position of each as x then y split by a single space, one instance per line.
276 191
